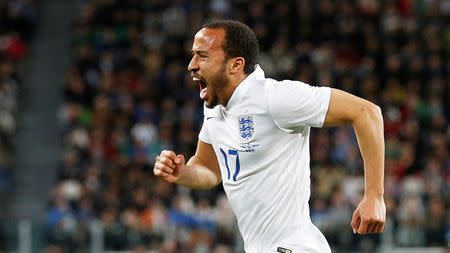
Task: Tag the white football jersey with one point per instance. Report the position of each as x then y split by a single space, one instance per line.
261 140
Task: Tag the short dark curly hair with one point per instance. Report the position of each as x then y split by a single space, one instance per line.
240 41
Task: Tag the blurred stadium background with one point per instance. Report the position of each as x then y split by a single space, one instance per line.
92 90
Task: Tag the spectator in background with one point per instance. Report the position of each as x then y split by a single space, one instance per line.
17 19
17 22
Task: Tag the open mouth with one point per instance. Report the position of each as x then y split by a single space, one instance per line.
202 86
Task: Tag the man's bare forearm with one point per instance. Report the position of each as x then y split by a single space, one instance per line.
197 176
368 128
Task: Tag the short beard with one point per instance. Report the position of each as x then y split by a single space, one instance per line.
221 81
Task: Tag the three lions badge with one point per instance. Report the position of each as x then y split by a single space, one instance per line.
246 127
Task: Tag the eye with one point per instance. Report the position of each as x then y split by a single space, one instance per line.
200 54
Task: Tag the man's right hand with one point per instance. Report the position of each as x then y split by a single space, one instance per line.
168 166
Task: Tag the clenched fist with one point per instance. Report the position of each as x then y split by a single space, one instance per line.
370 216
168 166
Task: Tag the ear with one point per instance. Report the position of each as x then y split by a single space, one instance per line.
236 65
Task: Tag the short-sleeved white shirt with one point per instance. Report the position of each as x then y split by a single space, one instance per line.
261 140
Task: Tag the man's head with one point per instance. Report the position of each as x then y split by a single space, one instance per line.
240 41
223 54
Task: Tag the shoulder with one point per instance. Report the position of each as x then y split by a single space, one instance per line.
292 91
272 85
284 92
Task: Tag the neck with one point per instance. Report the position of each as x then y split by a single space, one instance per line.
228 90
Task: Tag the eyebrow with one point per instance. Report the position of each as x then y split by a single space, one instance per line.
198 52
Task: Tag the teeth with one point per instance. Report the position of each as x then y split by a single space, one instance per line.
195 79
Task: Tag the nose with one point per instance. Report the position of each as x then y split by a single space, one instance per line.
193 66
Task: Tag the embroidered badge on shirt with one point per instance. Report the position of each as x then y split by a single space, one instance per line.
246 128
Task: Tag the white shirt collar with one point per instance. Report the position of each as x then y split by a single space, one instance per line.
243 87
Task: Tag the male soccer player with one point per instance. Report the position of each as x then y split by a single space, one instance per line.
255 140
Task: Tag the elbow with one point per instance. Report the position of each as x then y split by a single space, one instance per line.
372 112
212 183
377 114
216 182
211 186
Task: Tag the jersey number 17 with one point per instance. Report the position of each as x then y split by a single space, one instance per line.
229 155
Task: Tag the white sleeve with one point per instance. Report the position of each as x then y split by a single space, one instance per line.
204 133
294 104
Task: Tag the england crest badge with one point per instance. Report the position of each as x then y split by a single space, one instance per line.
246 127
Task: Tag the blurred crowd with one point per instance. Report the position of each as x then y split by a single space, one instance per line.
128 96
17 18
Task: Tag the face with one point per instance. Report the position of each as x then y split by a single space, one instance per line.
208 66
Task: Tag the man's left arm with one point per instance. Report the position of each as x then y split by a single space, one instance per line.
367 122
